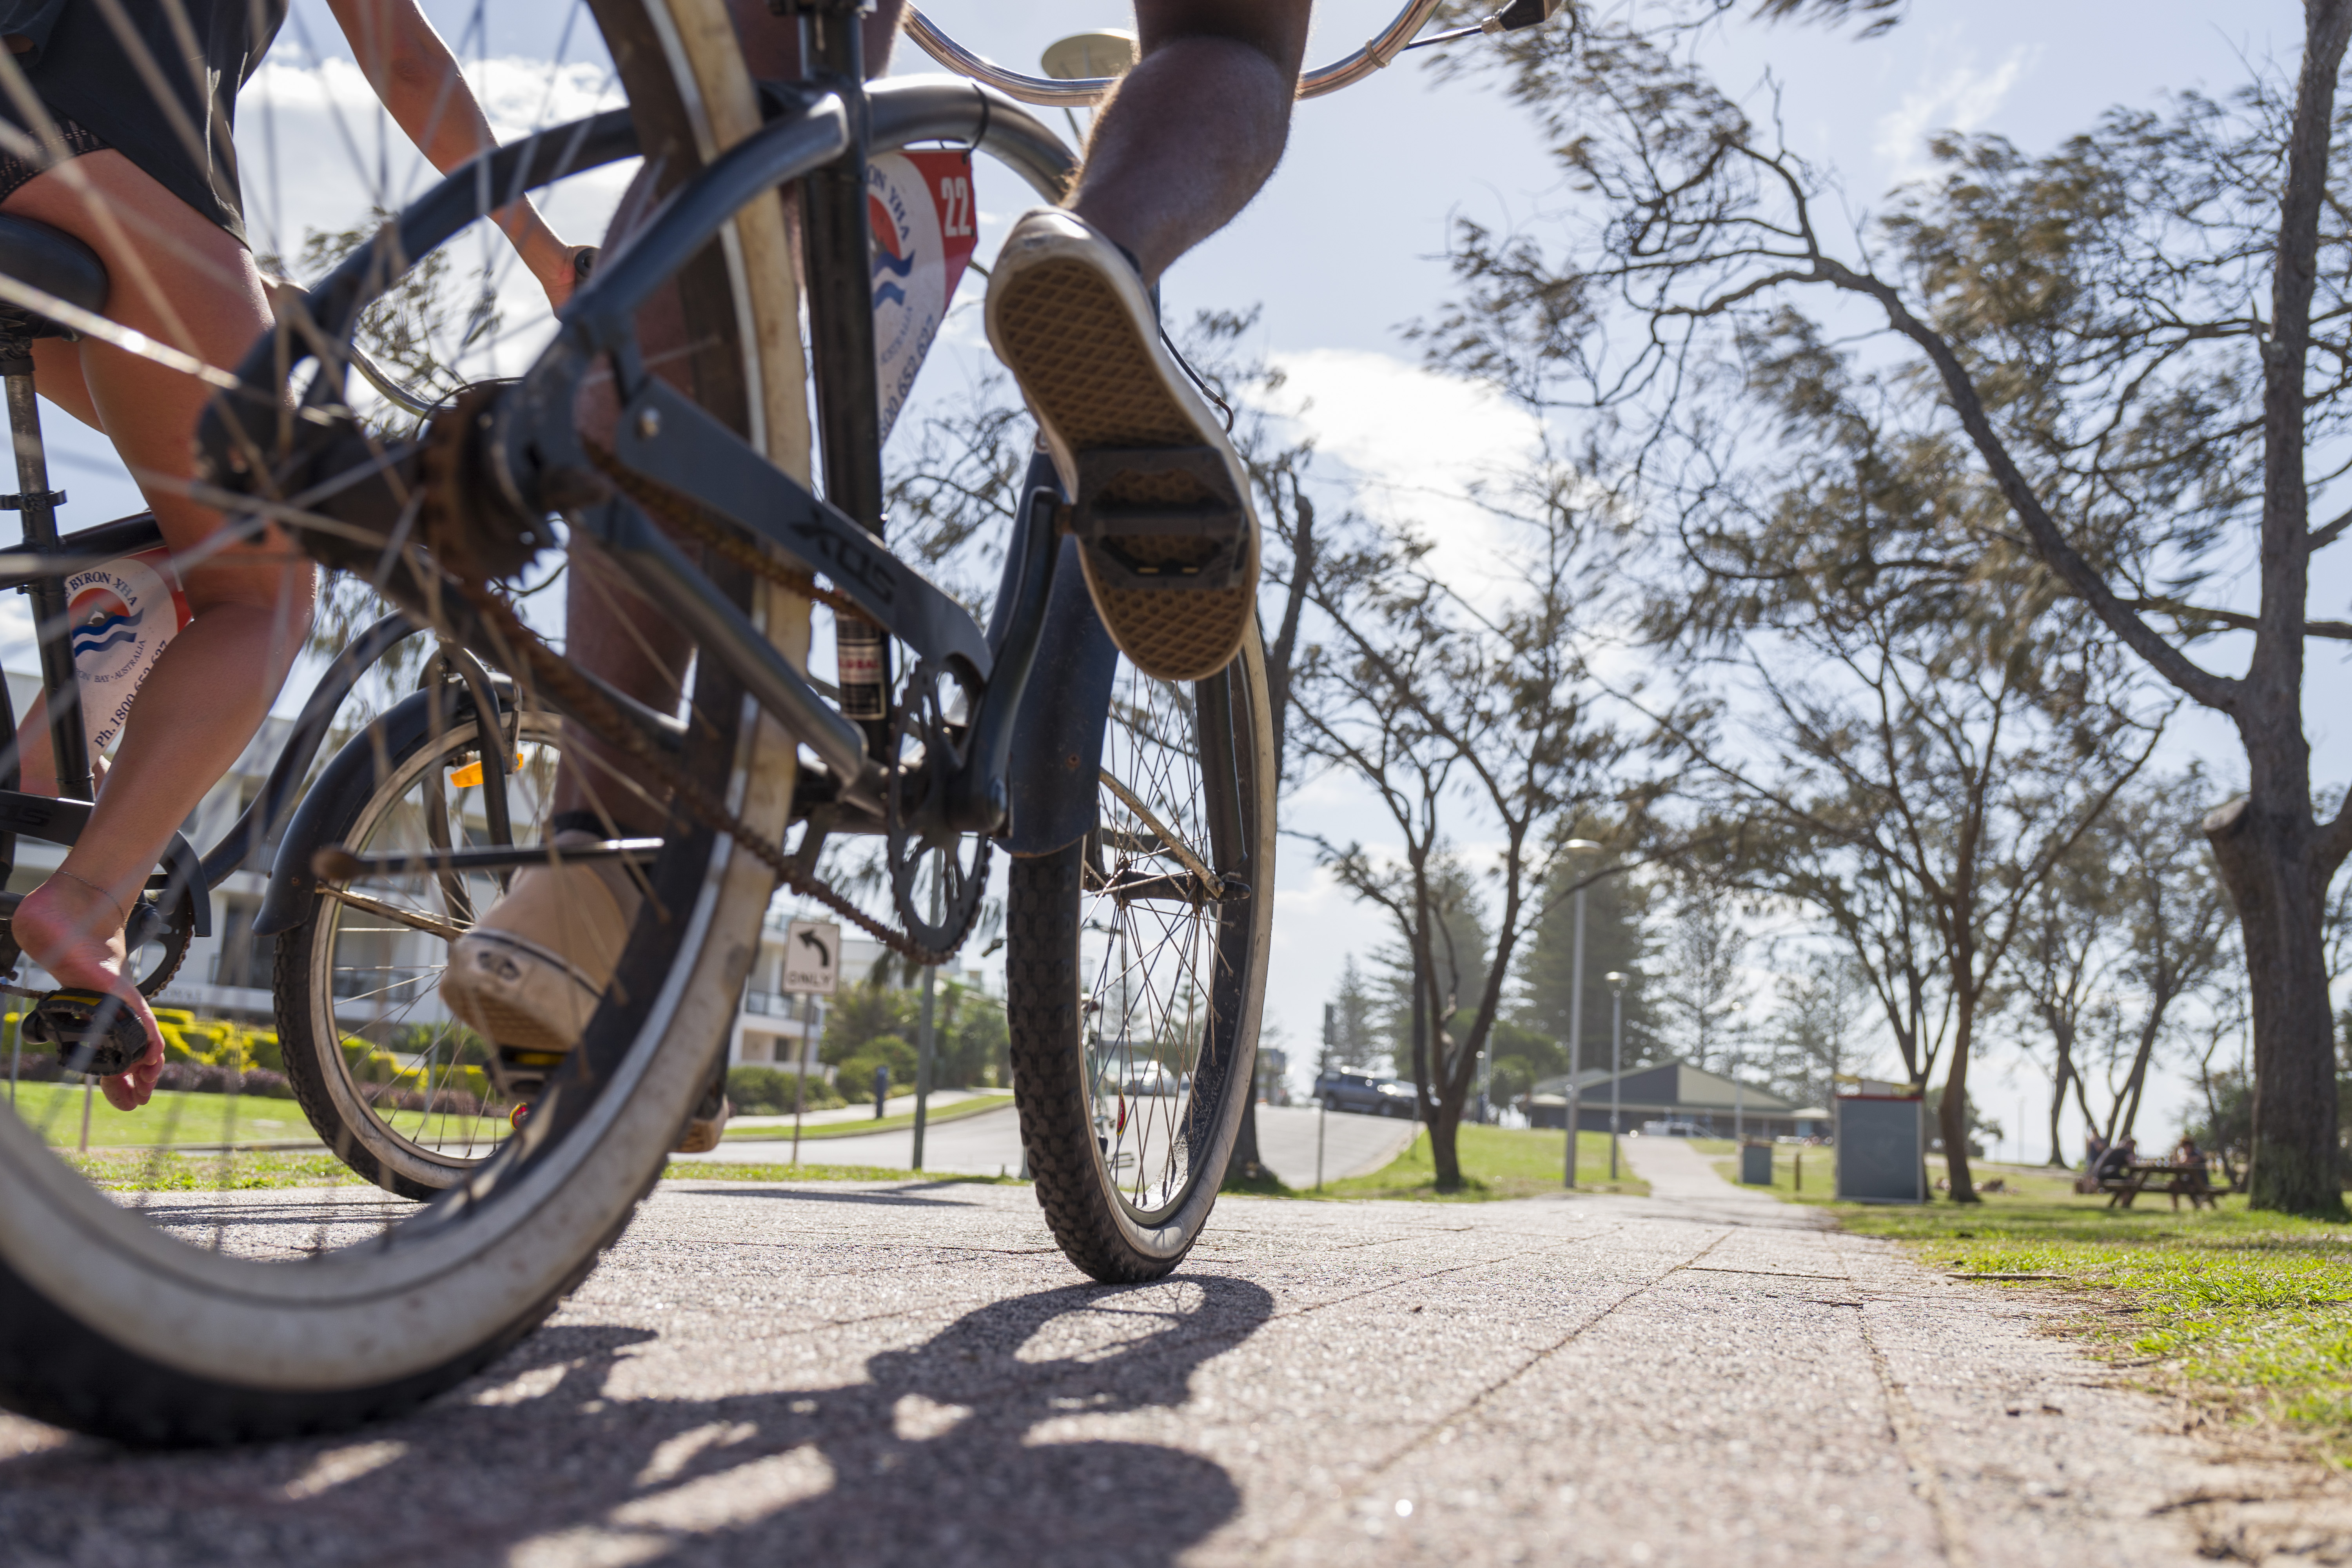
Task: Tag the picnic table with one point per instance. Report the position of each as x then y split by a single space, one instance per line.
2177 1179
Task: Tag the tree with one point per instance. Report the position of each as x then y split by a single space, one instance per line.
1430 700
2137 340
1702 982
1812 1032
1925 763
2060 967
1617 938
2175 920
1357 1038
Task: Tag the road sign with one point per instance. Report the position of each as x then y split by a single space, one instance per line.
813 957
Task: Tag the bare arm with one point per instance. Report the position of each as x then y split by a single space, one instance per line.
417 77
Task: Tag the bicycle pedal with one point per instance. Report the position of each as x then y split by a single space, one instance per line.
1162 518
91 1032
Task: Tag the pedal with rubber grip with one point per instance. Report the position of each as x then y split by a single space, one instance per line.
91 1032
1177 503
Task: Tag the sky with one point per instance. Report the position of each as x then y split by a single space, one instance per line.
1344 251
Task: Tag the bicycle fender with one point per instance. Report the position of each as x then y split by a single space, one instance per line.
287 902
1057 736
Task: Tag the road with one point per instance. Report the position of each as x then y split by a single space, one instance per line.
908 1373
990 1143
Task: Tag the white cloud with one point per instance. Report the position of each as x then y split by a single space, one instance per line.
1414 443
1960 98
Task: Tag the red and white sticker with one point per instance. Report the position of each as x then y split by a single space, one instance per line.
920 208
121 615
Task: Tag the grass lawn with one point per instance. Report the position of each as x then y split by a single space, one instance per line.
144 1171
1496 1163
2247 1312
896 1122
54 1111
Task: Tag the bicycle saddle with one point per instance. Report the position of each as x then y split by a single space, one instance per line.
54 262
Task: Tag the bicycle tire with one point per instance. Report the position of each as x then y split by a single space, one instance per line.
346 1117
1059 1081
227 1348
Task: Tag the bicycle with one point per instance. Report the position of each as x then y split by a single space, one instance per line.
1138 817
361 794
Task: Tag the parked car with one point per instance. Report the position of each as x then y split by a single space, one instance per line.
1675 1126
1364 1094
1149 1078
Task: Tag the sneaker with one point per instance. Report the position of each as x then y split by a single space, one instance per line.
1160 502
528 976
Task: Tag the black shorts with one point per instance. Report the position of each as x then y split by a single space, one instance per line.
16 171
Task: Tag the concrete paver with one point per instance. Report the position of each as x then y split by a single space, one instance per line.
910 1373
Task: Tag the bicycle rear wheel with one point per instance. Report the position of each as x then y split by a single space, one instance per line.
1135 972
149 1318
400 1091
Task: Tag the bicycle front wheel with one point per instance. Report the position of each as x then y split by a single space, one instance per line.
134 1309
1135 971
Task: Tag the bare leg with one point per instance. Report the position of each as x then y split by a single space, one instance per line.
178 277
1196 127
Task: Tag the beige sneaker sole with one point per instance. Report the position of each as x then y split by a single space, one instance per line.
1071 319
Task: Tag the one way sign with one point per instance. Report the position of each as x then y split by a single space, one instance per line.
811 957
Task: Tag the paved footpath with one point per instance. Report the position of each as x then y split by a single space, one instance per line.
988 1144
909 1373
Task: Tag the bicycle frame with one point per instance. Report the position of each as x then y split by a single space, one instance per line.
820 134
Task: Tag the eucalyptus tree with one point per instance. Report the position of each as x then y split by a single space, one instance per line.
1466 713
2137 344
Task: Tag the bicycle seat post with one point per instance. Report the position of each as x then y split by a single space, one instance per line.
69 740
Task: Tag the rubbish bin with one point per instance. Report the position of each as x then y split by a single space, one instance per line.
1756 1164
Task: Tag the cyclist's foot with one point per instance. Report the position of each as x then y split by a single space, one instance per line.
1166 532
75 932
708 1120
528 976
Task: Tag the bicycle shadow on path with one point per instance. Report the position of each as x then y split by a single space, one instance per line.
933 1456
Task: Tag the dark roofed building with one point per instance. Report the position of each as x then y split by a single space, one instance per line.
1673 1091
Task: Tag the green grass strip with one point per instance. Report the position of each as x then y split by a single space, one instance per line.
896 1122
1496 1163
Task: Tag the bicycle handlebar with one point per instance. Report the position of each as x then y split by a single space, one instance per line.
1376 52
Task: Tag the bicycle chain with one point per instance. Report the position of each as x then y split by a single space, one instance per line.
583 701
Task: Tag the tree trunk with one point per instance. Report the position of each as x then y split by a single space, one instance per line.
2057 1109
1952 1116
2268 861
1444 1152
2062 1035
1246 1169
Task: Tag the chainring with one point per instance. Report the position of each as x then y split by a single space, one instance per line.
928 750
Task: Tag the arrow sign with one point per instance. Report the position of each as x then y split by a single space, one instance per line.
811 957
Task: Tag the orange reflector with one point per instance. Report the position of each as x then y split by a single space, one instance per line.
470 774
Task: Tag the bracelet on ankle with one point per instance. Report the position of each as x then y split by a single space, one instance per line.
94 888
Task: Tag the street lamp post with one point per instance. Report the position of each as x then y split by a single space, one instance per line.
1616 1057
1576 1010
